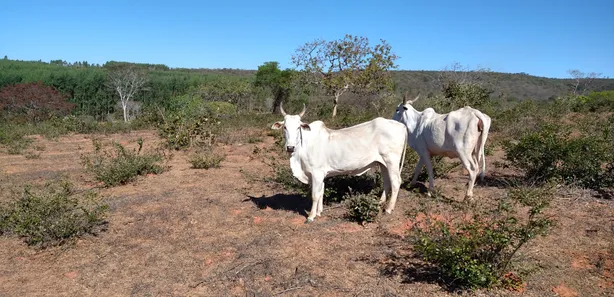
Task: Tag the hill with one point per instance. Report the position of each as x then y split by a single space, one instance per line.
508 86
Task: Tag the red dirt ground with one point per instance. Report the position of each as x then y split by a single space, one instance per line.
218 232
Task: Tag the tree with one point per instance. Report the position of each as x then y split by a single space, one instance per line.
225 88
126 81
456 73
581 80
464 87
348 64
35 101
278 82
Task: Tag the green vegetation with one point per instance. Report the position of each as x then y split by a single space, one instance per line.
206 159
362 208
118 165
474 248
551 152
52 215
551 130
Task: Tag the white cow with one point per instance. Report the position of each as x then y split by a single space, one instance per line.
461 134
317 152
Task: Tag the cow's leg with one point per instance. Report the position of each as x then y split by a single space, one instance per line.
429 170
386 179
471 166
476 161
320 205
417 172
395 185
482 159
317 193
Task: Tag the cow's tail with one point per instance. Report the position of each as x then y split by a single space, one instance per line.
483 127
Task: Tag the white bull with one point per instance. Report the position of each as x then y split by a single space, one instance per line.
462 134
318 152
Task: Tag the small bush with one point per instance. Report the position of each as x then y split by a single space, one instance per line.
118 165
362 208
183 131
282 175
335 187
52 215
475 249
32 155
206 159
551 152
254 139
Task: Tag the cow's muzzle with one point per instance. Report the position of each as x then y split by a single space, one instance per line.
290 149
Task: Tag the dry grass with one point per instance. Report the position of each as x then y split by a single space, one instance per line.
219 233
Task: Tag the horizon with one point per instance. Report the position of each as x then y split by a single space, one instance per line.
242 69
543 39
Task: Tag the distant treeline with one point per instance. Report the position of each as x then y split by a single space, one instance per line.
86 85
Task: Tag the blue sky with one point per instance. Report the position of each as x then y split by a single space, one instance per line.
540 37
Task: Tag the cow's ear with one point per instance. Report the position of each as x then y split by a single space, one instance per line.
306 127
277 125
405 107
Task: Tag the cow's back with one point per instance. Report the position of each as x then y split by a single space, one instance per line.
379 132
443 134
356 146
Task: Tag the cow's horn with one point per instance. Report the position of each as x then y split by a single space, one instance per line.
410 102
303 112
405 98
281 109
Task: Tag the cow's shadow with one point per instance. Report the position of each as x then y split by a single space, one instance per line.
418 187
293 202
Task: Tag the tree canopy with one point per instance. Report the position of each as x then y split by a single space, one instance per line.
348 64
277 81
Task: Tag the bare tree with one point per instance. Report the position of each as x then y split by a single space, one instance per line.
126 81
581 80
458 74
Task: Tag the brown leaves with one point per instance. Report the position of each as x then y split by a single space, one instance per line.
34 100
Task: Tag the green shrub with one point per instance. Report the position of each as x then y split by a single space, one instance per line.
52 215
595 102
282 175
192 124
475 249
118 165
362 208
550 152
206 159
458 95
336 188
220 108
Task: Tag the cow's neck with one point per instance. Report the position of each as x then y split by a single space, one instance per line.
300 151
412 117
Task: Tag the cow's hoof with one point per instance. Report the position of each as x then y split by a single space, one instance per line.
388 211
308 220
